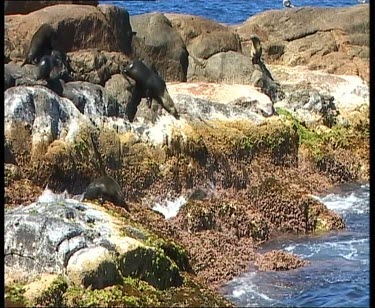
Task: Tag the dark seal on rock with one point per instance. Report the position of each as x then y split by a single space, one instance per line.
9 80
45 67
256 49
106 188
41 44
64 60
152 87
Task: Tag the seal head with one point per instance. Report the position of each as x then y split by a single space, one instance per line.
106 188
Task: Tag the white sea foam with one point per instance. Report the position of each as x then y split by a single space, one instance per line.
290 248
248 287
353 202
170 208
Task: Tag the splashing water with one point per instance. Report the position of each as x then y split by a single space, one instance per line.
338 275
49 196
170 208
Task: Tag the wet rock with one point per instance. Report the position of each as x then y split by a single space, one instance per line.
12 173
277 260
290 210
21 192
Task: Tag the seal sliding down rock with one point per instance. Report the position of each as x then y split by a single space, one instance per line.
105 188
46 65
56 62
152 87
41 44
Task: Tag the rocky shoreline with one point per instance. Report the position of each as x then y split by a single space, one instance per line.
253 143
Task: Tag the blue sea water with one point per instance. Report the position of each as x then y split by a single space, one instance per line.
338 275
224 11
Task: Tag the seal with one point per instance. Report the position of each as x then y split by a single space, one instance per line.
105 188
65 63
41 44
46 65
151 85
256 49
256 55
9 80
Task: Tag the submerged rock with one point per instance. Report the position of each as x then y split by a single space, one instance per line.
277 260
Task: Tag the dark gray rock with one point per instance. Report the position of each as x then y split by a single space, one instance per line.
157 41
120 90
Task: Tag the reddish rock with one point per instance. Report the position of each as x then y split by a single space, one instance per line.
104 27
278 260
26 7
96 66
204 37
311 36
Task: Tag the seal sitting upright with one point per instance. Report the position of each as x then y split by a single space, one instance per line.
41 44
105 188
256 49
152 86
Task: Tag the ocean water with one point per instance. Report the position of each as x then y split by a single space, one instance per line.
338 275
229 11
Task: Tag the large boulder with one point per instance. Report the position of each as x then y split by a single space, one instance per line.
204 37
104 27
26 7
319 37
235 68
120 90
83 242
161 44
230 67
